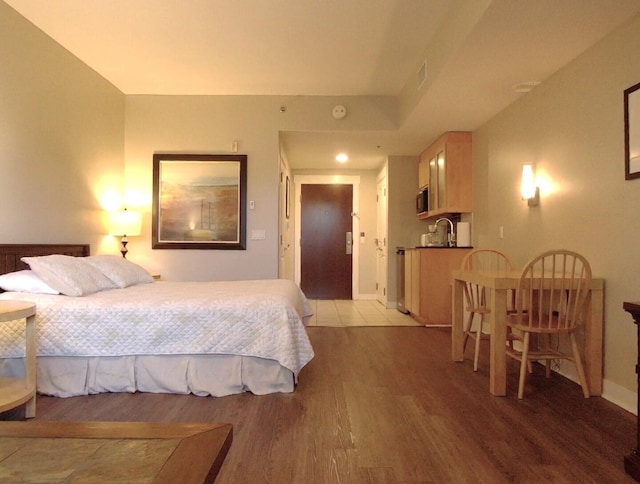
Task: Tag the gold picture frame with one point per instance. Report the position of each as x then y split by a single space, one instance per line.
199 201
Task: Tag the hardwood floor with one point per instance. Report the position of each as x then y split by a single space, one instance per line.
387 405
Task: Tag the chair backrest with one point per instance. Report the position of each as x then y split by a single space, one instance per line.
553 290
486 260
489 260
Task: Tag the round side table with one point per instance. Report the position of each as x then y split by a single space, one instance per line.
16 391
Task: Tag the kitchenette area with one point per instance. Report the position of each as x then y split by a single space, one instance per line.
445 204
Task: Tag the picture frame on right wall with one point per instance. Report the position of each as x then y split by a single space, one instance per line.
632 132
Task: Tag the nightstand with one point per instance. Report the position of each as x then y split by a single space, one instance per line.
16 391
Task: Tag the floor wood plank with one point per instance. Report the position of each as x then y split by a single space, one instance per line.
387 405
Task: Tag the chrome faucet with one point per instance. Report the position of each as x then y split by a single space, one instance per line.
451 236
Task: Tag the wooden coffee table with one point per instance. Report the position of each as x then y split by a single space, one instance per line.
112 451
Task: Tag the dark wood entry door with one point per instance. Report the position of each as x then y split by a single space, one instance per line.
325 250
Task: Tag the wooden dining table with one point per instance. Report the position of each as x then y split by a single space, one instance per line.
500 283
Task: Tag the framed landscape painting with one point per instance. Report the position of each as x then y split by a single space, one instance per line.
199 201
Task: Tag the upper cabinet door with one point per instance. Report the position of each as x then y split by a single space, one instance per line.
450 171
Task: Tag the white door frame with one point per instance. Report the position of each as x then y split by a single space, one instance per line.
354 181
382 238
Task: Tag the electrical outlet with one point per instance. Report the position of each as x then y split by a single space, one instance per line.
501 232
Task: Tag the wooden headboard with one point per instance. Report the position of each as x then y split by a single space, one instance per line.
10 254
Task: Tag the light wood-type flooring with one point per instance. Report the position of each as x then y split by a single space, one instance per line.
387 405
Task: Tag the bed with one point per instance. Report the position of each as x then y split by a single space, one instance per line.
206 338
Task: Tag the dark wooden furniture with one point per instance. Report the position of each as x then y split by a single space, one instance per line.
113 451
10 254
632 461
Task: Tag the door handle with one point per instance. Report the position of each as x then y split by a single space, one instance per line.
349 243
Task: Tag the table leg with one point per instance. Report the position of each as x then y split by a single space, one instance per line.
457 317
593 341
498 342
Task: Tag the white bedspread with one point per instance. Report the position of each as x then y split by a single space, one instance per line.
262 318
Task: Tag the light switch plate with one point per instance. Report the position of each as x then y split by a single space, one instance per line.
258 235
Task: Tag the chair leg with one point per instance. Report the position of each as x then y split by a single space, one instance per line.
547 363
467 329
478 338
523 365
579 367
510 338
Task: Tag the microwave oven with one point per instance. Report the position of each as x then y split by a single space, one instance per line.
422 202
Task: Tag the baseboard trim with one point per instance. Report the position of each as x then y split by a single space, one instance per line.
612 392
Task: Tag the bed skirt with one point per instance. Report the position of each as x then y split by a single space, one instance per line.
215 375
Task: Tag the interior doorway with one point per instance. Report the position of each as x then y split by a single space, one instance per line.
382 251
326 243
354 182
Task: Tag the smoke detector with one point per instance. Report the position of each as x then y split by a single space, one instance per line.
339 111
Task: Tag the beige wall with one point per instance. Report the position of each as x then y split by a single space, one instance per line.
210 124
206 124
61 141
403 226
571 128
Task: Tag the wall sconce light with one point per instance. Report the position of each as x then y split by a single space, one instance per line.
125 223
528 188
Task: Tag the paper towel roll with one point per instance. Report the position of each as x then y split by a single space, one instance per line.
463 237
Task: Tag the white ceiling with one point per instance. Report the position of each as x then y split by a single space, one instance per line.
334 48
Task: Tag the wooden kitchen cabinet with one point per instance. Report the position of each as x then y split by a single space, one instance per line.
428 283
445 169
412 280
423 173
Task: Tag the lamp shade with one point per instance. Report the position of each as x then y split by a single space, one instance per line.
528 185
125 223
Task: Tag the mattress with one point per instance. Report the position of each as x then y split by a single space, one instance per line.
263 319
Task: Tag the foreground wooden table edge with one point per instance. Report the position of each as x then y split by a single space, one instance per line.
197 458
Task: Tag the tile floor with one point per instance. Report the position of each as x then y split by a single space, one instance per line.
342 313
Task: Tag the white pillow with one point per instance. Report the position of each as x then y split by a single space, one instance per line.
69 275
25 281
121 271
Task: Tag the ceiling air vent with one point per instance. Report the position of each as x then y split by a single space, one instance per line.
422 75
